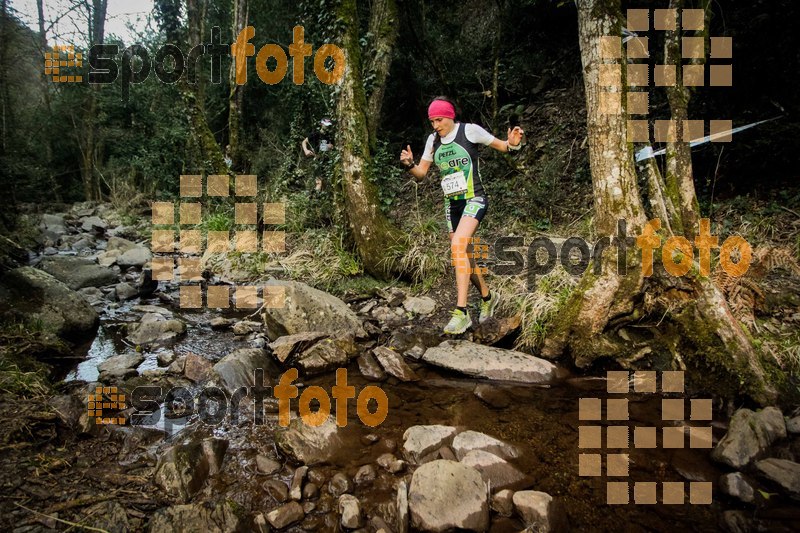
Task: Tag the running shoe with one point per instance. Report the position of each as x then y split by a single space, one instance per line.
459 323
487 308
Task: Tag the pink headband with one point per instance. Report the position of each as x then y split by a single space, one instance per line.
440 108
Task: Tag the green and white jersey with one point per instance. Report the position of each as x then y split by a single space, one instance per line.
456 156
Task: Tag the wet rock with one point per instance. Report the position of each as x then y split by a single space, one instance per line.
286 515
735 485
285 347
735 522
93 295
502 502
467 441
365 475
32 296
277 489
340 484
394 296
196 368
176 367
393 363
165 357
445 495
119 245
155 329
308 309
125 291
53 227
243 327
784 473
220 323
218 518
477 360
390 463
240 368
496 329
323 356
310 491
308 444
350 511
68 408
309 507
135 257
491 396
498 473
182 469
793 425
266 465
749 435
119 367
296 490
370 368
538 511
77 272
152 309
317 477
81 244
93 223
419 441
420 305
401 502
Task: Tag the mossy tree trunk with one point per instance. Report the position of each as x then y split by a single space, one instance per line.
236 95
682 321
374 235
383 24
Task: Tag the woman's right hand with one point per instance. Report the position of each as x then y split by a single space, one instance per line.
406 157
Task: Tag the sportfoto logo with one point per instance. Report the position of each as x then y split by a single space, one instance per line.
170 63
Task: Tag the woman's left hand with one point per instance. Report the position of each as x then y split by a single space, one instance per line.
515 136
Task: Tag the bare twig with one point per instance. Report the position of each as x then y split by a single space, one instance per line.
73 524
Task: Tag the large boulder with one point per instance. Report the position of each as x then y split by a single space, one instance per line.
78 272
238 368
496 472
481 361
155 329
119 367
467 441
308 309
33 296
445 495
393 363
221 518
749 435
135 257
419 441
308 444
53 227
784 473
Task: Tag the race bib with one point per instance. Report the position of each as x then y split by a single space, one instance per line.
454 184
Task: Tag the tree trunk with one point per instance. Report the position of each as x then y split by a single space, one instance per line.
91 185
45 86
383 27
680 320
373 233
236 95
5 96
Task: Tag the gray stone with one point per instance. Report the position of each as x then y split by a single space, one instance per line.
152 309
135 257
393 363
308 444
502 502
77 272
154 329
286 515
239 368
182 469
221 518
350 510
325 355
735 485
420 305
53 227
310 491
94 223
266 465
445 495
340 484
220 322
536 510
736 522
481 361
784 473
81 244
467 441
196 368
793 425
165 358
401 502
277 489
496 472
390 463
120 367
419 441
285 347
296 490
370 368
308 309
491 396
30 295
125 291
365 475
120 245
749 435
